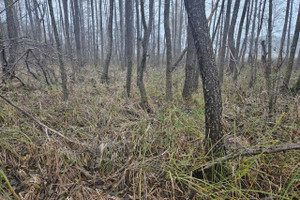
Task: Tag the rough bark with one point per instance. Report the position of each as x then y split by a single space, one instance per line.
209 74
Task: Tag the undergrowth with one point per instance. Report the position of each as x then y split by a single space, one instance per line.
127 153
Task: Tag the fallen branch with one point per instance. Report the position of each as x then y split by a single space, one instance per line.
252 152
38 121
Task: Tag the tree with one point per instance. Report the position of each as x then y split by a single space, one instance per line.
191 68
209 74
142 66
76 22
169 50
9 69
104 77
289 69
59 51
224 42
129 42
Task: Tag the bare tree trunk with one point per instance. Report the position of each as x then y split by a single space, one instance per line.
59 51
104 77
209 74
101 31
142 66
9 70
231 43
169 51
224 42
94 34
76 21
158 35
289 69
68 41
289 31
238 41
129 42
121 33
191 68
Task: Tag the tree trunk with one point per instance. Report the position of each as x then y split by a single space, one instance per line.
10 68
191 68
289 69
104 77
129 42
76 21
231 43
209 74
142 66
169 51
224 42
59 51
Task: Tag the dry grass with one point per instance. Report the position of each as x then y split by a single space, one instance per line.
126 153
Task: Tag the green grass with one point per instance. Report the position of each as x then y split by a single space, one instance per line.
129 153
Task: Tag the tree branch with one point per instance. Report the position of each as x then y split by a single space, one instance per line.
175 65
38 121
252 152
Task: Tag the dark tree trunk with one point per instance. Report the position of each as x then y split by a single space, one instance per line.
289 69
104 77
169 51
191 68
209 74
59 51
231 43
76 21
129 42
142 66
9 69
224 42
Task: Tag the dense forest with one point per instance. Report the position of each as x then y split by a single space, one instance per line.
149 99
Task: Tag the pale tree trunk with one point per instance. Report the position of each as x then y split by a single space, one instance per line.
59 51
209 74
268 66
129 42
158 35
104 77
142 66
289 69
169 50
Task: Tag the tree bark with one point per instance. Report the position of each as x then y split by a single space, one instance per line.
191 68
169 51
59 51
289 69
209 74
142 66
10 68
104 77
224 42
129 42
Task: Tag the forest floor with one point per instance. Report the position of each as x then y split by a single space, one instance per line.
123 152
